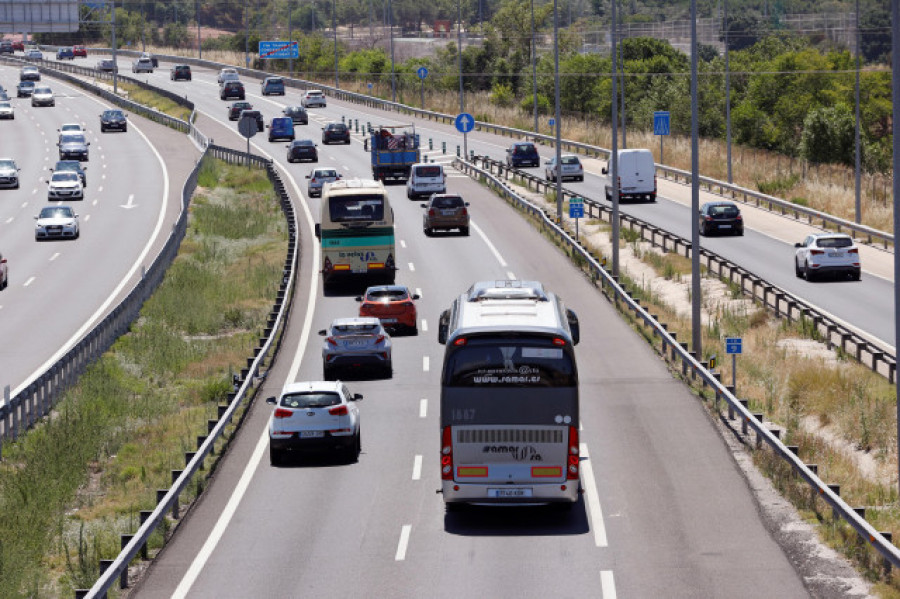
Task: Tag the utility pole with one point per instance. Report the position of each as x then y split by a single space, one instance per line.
558 124
199 40
534 71
337 82
614 152
696 324
291 38
391 26
858 148
462 101
727 99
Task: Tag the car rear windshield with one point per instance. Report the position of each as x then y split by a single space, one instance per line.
428 171
310 400
447 202
525 150
340 127
355 329
274 81
356 208
314 94
73 139
835 242
570 160
325 174
394 295
724 211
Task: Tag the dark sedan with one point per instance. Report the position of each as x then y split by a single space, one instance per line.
297 113
302 149
235 110
73 146
335 133
113 120
180 72
721 217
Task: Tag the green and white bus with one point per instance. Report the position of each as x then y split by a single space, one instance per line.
356 229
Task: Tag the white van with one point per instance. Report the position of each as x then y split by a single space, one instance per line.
426 178
637 175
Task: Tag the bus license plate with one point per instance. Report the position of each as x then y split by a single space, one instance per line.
508 493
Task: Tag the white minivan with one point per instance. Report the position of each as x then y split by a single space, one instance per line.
637 175
426 178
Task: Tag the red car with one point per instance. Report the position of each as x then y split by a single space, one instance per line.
79 51
19 46
392 305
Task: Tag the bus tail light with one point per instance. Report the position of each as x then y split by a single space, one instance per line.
447 453
574 455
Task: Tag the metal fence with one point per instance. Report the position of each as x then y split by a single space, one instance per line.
678 355
783 303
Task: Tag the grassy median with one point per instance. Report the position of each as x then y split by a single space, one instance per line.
78 480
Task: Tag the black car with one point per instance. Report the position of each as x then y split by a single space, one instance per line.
231 89
72 166
297 114
113 120
180 72
302 149
235 110
6 47
522 153
335 133
721 217
255 114
73 146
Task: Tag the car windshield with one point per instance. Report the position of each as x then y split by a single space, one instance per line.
70 128
324 174
5 105
310 400
7 164
393 295
72 139
56 212
64 177
570 160
112 113
68 165
26 84
355 329
835 242
428 171
42 90
447 202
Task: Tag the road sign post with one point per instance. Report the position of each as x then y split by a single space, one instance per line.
576 211
422 72
661 124
248 127
733 346
465 122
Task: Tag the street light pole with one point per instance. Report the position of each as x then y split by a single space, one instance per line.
614 151
858 161
727 99
290 39
534 71
337 82
559 197
199 39
895 94
391 28
462 100
696 325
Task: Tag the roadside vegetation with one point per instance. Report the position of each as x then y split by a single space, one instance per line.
79 479
154 100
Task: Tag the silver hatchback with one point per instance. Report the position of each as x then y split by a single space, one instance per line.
355 344
571 168
318 178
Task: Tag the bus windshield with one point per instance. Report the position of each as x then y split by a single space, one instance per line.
510 362
356 208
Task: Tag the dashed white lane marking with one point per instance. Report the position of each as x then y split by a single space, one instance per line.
417 468
511 275
99 189
424 326
426 363
607 584
87 218
9 220
419 292
489 244
54 256
412 267
28 282
403 244
593 498
423 408
404 541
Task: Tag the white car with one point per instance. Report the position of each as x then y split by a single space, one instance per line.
571 168
71 128
4 273
318 178
42 96
142 65
65 185
9 173
6 110
313 97
56 222
314 415
34 53
827 254
228 74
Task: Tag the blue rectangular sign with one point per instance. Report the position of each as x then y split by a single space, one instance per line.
276 49
733 345
576 210
661 122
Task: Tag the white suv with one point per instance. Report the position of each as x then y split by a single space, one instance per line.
314 415
142 65
827 253
313 97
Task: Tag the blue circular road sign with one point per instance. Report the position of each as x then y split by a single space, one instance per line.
422 72
370 86
464 122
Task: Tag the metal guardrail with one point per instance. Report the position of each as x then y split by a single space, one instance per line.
781 302
735 192
674 352
117 569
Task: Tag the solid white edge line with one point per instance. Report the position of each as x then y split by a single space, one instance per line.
593 498
423 408
607 584
404 541
489 244
237 494
417 468
134 268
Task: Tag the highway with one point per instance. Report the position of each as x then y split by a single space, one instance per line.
665 511
59 289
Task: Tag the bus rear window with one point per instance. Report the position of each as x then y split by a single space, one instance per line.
356 208
509 363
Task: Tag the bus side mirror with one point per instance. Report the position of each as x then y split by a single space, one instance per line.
318 231
573 326
443 326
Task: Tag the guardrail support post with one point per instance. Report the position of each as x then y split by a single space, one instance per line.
104 566
175 475
123 578
889 537
430 143
144 514
836 489
457 151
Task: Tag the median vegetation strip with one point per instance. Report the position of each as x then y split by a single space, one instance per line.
161 103
78 480
839 413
